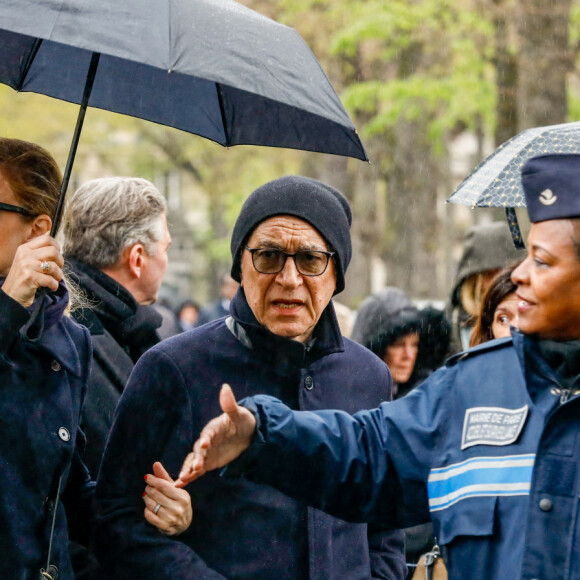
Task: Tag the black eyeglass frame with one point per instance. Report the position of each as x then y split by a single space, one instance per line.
288 255
15 209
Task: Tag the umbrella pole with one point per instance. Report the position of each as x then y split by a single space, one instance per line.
36 319
75 141
514 226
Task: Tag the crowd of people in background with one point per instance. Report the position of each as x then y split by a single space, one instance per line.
115 386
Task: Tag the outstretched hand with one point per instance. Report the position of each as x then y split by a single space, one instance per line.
221 440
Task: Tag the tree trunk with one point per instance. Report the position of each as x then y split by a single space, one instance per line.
506 75
412 220
544 61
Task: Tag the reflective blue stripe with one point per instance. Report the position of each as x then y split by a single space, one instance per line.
480 476
442 470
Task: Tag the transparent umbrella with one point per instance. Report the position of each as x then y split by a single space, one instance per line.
496 181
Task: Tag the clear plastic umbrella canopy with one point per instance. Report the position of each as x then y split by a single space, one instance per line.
496 182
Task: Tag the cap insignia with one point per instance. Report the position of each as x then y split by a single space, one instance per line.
547 197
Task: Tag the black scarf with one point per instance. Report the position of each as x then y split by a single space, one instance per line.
114 309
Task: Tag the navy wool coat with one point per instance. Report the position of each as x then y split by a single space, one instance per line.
240 530
42 386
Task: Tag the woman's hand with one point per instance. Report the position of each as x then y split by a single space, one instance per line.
166 507
37 263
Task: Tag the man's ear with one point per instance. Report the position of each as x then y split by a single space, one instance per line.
39 226
136 259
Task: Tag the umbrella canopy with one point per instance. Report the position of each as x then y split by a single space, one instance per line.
210 67
496 182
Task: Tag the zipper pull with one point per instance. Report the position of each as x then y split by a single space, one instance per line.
564 394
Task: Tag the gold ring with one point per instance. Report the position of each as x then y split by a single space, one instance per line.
45 267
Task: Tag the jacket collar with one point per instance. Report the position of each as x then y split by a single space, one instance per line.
326 338
538 353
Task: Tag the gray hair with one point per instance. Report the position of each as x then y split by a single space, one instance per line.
107 215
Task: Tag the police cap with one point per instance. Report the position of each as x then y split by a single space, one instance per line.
552 187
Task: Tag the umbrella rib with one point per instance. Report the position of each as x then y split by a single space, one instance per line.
223 113
28 63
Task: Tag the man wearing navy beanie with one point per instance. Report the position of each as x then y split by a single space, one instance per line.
322 206
488 447
290 248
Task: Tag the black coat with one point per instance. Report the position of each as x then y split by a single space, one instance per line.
42 387
121 331
240 530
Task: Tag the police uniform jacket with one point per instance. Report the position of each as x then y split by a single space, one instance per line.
488 446
42 385
240 530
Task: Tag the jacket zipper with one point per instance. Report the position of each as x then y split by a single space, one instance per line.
563 392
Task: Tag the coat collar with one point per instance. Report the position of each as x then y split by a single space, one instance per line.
326 338
562 369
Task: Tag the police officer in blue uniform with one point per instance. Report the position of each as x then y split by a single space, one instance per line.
488 446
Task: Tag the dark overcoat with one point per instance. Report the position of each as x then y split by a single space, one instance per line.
240 530
121 331
42 386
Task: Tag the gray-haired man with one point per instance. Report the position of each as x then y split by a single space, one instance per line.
115 245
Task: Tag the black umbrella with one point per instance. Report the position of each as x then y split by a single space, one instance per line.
210 67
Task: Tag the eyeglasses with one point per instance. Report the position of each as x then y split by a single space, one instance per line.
272 261
15 209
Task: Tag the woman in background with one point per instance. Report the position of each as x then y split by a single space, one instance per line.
388 324
487 249
413 344
499 309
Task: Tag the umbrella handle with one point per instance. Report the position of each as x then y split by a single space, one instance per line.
75 141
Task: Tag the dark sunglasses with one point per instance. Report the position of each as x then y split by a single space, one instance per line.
15 209
272 261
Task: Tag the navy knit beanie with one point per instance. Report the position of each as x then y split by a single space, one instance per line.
322 206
